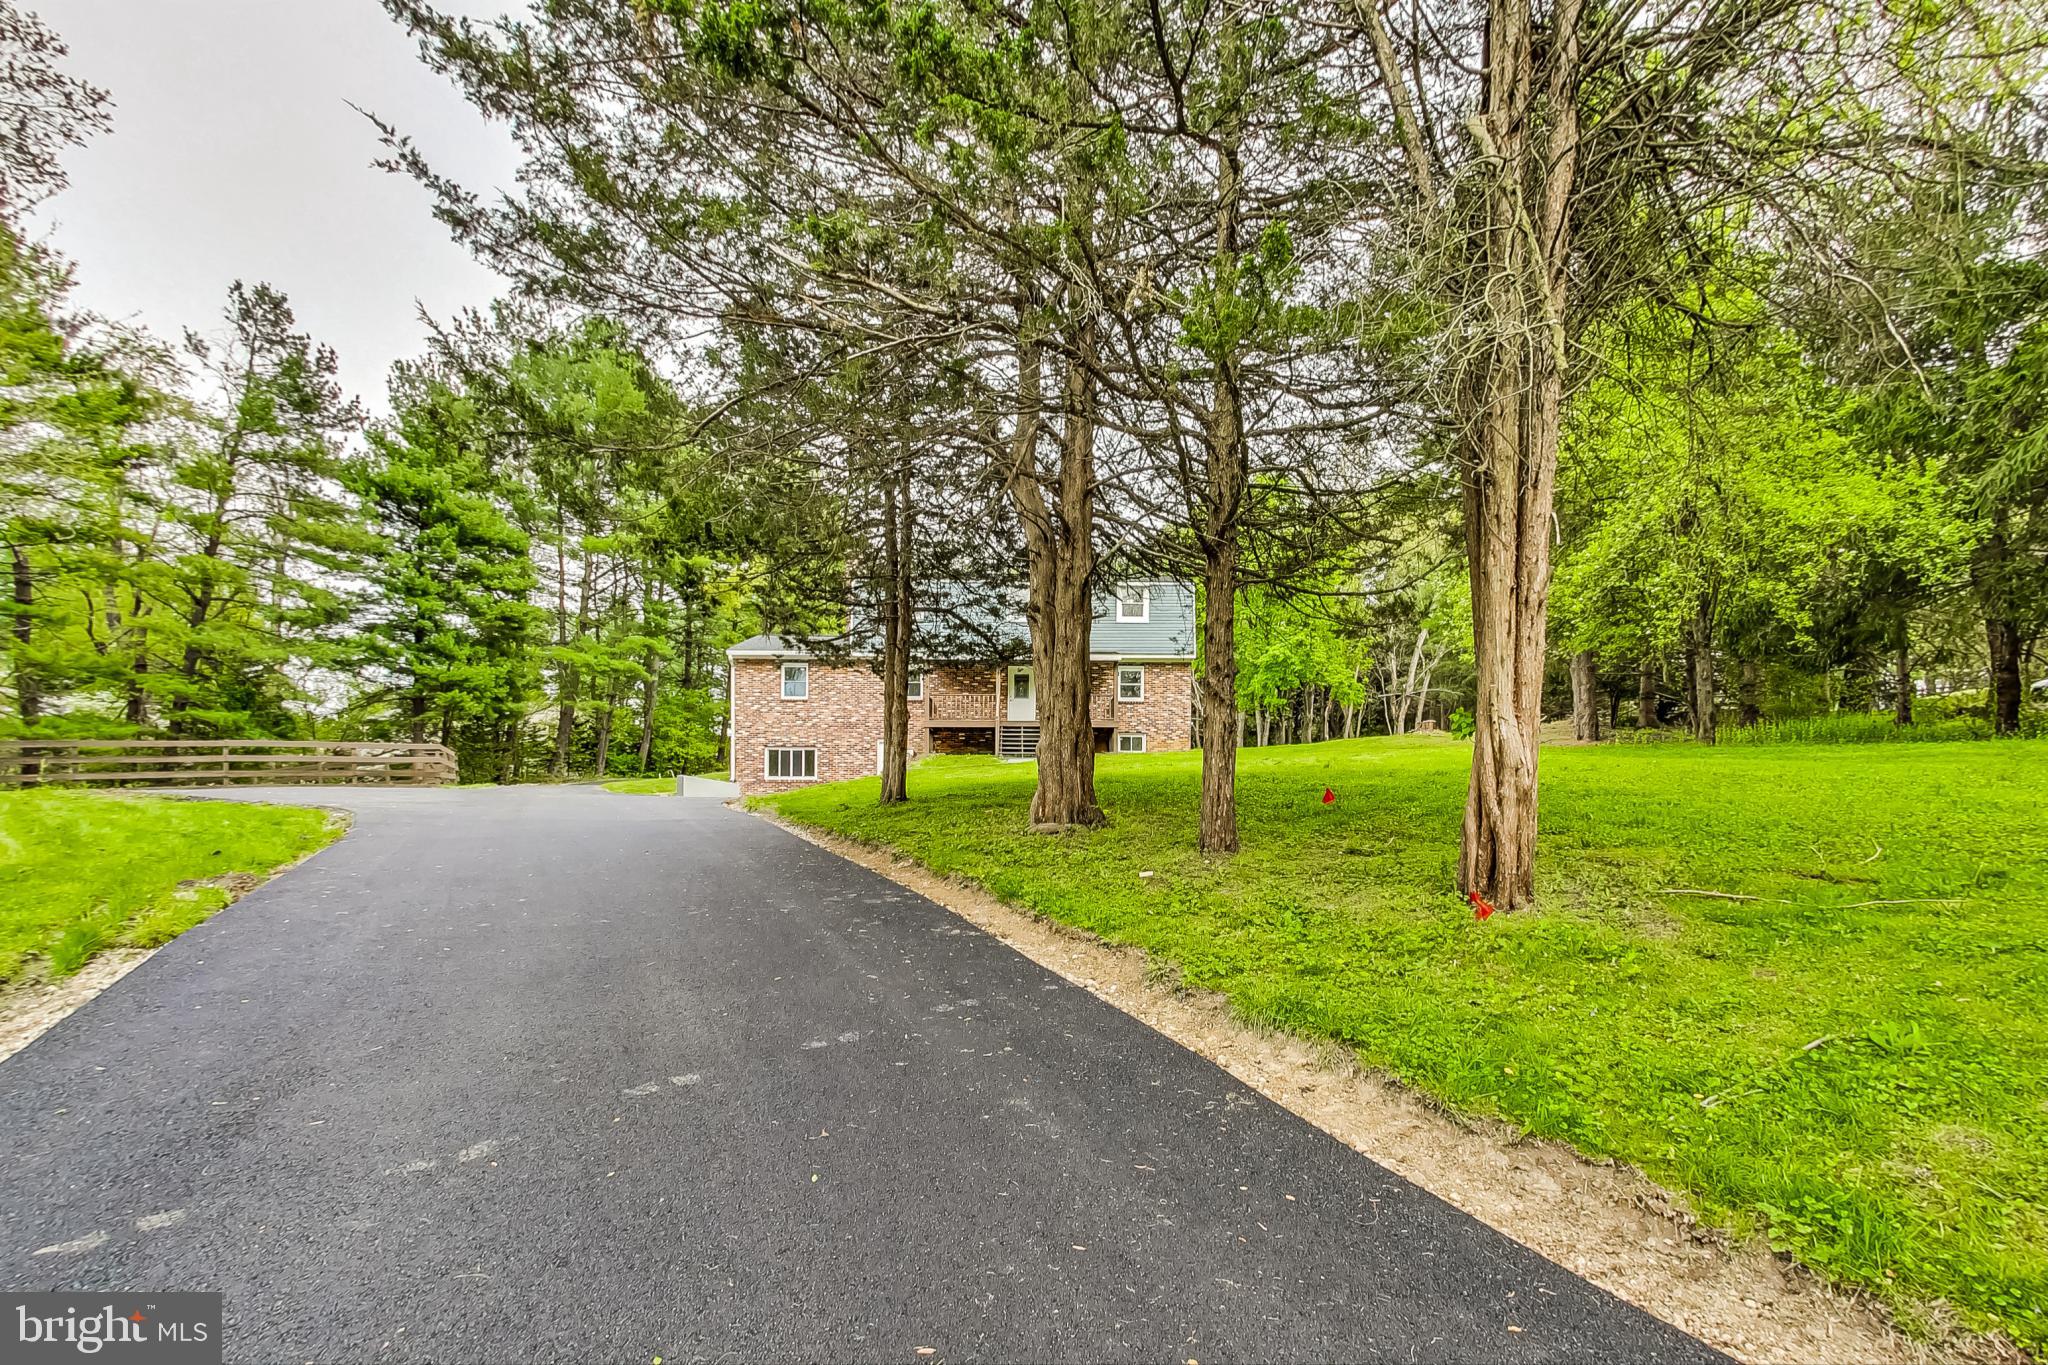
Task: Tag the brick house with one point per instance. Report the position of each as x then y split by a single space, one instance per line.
800 717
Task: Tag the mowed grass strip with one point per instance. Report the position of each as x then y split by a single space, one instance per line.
642 786
84 871
1898 922
656 786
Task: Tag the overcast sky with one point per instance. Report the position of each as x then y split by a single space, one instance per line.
234 155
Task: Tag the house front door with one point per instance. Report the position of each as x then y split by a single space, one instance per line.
1023 697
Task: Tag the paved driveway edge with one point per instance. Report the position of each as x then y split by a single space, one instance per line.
1604 1221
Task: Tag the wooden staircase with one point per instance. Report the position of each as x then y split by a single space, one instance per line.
1017 741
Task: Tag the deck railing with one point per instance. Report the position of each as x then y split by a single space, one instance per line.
980 708
223 762
945 707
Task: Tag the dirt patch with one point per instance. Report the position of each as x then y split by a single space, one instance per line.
236 884
28 1009
1602 1220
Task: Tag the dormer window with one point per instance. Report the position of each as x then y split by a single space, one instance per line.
1134 602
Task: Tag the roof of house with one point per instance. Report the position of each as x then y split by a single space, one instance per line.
997 616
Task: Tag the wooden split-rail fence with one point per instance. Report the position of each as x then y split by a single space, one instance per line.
223 762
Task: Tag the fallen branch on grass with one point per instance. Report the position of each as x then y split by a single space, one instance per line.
1773 900
1715 895
1918 900
1710 1101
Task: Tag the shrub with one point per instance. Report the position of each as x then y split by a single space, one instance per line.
1974 701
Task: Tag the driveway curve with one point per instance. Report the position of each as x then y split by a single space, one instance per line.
557 1074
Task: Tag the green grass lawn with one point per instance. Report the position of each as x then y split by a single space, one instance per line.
655 786
84 871
1908 1153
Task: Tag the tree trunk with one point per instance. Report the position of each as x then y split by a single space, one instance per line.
203 602
1512 394
1059 540
1991 577
650 686
1412 693
1585 697
1220 720
604 729
1507 511
2003 636
136 710
689 660
565 723
416 715
565 711
1223 505
1902 671
650 697
898 620
1699 674
1749 694
28 690
1410 698
1646 695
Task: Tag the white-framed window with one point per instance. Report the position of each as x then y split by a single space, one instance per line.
791 765
796 682
1130 744
1130 682
916 692
1134 602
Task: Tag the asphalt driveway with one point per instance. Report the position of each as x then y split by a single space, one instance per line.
551 1073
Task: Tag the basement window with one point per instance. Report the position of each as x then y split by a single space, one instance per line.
796 682
1130 744
792 765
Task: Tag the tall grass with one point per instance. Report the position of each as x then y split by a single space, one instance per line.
1855 727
